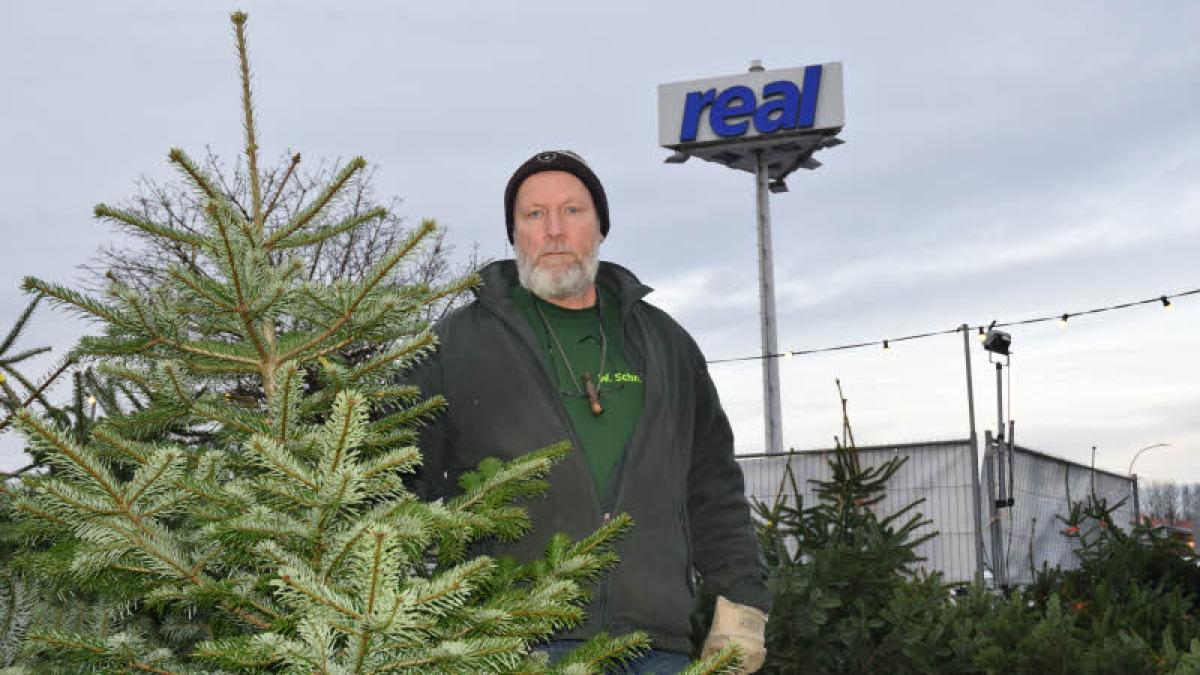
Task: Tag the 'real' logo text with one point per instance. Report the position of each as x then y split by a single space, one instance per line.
732 110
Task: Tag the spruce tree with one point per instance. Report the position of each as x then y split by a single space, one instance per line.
220 529
845 597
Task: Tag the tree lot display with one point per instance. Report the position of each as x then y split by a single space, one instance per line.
240 503
210 526
846 601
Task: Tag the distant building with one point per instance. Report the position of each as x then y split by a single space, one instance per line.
1183 530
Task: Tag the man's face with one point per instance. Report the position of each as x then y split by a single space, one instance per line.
556 232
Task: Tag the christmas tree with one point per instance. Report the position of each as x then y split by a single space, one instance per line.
845 597
224 527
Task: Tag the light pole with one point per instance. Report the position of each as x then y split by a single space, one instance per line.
1137 507
1139 454
997 342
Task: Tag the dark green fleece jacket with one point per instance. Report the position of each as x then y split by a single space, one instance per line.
677 479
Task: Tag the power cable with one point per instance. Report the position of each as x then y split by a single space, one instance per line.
1164 300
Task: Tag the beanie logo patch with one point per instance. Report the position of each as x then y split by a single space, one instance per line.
547 157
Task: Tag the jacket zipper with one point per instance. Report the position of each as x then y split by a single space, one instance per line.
638 360
605 510
565 421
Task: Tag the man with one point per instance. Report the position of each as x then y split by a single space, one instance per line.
561 346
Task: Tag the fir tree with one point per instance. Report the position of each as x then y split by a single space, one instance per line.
845 599
271 530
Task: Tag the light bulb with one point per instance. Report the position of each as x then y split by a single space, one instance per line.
1166 302
1062 320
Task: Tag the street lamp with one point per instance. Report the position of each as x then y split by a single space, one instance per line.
1137 507
1139 454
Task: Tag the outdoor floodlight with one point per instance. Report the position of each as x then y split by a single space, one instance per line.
997 342
679 157
777 186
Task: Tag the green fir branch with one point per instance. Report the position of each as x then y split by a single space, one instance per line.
239 30
106 212
285 403
195 175
343 432
325 233
727 661
77 302
602 653
230 261
397 358
16 611
416 414
34 392
19 325
203 287
373 278
9 361
273 457
318 204
64 454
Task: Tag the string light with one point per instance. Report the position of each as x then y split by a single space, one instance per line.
1165 300
91 400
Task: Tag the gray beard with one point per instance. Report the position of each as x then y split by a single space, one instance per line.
558 284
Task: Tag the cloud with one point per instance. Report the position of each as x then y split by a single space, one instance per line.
1150 207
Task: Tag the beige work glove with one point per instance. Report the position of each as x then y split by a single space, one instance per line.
740 625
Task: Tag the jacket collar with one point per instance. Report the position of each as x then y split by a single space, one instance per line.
499 277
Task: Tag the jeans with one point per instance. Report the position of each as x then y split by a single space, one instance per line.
656 661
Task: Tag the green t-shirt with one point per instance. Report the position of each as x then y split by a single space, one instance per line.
622 391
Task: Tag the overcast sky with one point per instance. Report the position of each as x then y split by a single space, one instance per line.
1000 163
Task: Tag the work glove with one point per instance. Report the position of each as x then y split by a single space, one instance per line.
742 626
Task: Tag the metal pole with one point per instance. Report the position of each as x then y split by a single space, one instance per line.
766 300
998 563
1137 508
999 405
975 494
1002 496
1093 472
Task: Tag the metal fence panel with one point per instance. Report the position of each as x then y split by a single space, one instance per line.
939 472
1032 532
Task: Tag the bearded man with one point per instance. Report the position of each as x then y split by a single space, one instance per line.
561 346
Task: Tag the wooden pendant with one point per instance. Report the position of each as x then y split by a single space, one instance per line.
593 394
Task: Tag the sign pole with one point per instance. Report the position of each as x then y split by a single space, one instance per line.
766 300
768 123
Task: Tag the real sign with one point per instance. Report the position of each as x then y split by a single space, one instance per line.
751 105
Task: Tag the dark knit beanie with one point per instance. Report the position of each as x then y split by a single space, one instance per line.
556 160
